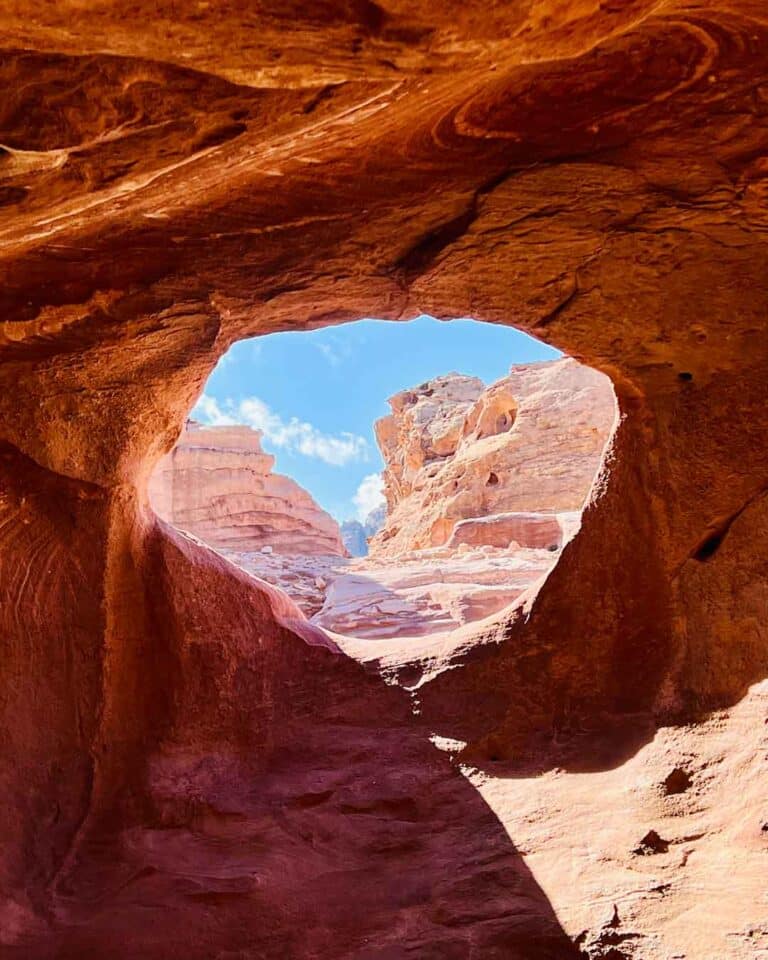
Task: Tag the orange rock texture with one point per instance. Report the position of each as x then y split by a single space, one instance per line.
218 484
190 770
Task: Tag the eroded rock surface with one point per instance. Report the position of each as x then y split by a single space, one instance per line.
465 464
188 767
428 591
417 594
218 484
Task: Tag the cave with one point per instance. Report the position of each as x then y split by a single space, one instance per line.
189 766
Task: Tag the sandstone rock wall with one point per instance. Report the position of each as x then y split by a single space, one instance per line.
529 444
187 768
218 484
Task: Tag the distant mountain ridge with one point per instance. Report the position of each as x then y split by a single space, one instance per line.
356 534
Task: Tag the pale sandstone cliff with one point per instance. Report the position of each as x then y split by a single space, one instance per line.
217 483
491 466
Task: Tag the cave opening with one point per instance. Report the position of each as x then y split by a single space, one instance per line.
394 479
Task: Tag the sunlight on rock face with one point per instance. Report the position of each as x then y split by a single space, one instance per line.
444 440
218 484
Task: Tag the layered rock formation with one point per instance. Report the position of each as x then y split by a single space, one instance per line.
190 768
218 484
427 592
418 594
465 464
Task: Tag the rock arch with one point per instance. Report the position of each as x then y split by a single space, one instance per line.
595 176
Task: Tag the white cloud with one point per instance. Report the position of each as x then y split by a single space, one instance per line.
335 352
294 435
207 410
370 494
328 352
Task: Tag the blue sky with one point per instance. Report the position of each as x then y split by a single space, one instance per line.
316 394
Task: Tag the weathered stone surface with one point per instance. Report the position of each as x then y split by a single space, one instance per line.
427 592
536 530
454 451
425 426
182 774
218 484
414 595
664 892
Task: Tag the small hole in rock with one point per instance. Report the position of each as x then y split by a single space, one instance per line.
709 547
650 844
685 376
492 480
677 781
